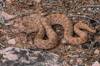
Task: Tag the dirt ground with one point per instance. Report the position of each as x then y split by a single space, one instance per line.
87 54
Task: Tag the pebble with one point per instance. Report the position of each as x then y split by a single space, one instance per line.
10 56
84 9
96 52
98 8
96 63
38 1
63 41
71 61
89 9
79 61
9 1
23 60
7 16
12 41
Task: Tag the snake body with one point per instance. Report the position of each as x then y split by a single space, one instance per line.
82 34
68 28
51 20
49 43
42 25
25 25
30 24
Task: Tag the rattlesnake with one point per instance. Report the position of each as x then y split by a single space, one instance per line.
68 28
43 24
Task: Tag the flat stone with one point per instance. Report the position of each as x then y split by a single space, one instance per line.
12 41
96 63
96 52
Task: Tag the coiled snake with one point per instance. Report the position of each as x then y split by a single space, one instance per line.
68 31
42 25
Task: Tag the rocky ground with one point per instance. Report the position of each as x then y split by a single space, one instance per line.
87 54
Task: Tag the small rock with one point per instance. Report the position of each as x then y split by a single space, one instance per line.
96 52
89 9
71 61
23 60
12 57
84 9
58 30
78 13
3 51
63 41
7 16
96 63
79 61
98 8
38 1
12 41
9 1
8 54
